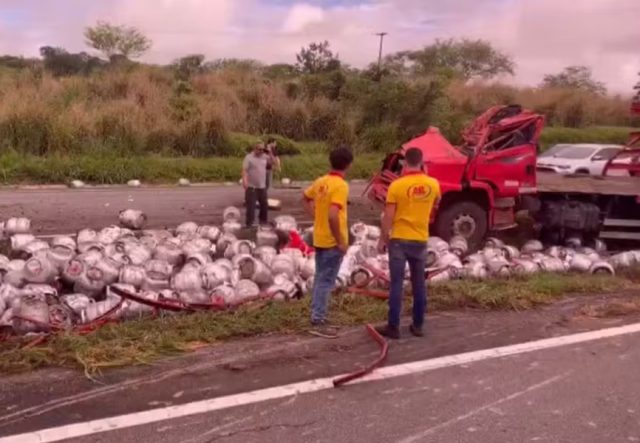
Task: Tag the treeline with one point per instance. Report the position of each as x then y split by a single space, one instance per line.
73 103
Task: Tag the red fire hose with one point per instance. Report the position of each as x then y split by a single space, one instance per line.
375 293
384 349
167 305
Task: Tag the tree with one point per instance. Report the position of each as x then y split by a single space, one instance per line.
574 77
60 62
13 62
317 58
114 41
188 66
280 70
635 103
462 58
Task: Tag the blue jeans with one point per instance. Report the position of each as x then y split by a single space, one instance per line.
328 263
402 252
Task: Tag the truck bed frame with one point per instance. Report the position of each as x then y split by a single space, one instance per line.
588 184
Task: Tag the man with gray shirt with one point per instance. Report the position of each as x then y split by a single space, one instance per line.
254 180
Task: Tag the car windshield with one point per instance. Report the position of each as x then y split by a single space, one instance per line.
574 152
554 150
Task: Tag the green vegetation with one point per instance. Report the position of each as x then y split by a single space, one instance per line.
302 160
143 341
594 134
111 169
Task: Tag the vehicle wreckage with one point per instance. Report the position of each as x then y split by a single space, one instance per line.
492 176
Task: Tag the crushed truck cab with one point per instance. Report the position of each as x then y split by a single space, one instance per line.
492 175
480 180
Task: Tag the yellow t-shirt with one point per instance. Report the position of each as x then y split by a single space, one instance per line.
414 195
328 190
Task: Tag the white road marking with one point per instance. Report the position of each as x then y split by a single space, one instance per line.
261 395
429 431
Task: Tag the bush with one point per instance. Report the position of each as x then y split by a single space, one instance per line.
383 138
239 144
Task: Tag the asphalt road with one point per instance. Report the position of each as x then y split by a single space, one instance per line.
584 392
55 211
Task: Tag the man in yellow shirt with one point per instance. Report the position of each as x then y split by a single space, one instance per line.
405 231
326 201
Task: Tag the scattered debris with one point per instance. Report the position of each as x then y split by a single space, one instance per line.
126 272
132 218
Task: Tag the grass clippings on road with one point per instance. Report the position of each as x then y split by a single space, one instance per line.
146 340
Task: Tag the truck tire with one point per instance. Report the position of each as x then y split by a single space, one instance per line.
465 218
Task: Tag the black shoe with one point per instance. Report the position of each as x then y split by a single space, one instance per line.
388 331
323 330
418 332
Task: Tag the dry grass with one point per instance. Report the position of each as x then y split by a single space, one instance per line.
143 110
561 107
144 341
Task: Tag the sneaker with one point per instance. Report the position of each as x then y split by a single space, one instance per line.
388 331
323 330
416 331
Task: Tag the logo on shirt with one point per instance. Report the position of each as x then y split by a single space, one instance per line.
322 190
418 192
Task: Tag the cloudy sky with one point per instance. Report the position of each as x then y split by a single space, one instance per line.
542 35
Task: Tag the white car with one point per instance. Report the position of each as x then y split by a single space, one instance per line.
584 158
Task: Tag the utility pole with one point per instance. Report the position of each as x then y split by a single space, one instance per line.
381 35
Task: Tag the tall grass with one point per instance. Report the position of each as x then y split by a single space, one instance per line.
99 127
561 107
145 109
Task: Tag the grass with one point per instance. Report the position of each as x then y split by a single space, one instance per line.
147 340
594 134
107 167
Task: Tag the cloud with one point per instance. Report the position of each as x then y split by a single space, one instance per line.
300 16
543 36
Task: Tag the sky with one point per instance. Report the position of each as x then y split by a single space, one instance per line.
542 36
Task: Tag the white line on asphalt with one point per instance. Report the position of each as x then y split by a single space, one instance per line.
319 384
421 435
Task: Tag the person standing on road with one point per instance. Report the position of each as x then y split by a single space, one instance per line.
273 161
405 231
254 180
326 201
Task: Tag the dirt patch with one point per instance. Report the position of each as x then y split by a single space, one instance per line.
613 309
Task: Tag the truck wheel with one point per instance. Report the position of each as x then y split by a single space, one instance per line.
466 218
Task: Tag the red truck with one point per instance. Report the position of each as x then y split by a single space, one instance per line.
492 176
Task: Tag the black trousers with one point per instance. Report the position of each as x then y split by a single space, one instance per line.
251 196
